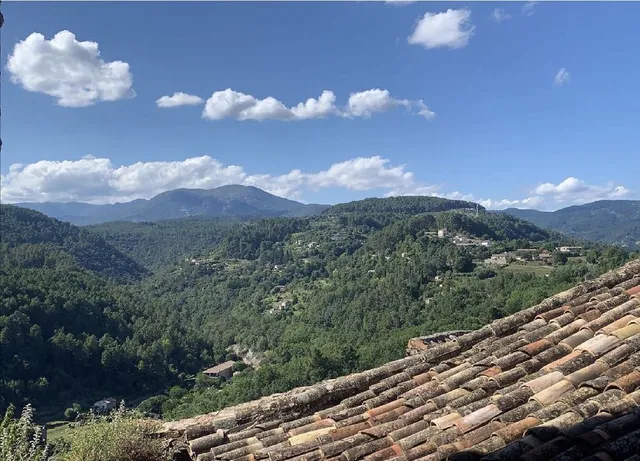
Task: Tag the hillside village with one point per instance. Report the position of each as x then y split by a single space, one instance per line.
306 247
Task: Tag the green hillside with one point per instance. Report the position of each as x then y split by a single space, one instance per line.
32 239
330 295
158 244
609 221
307 298
71 329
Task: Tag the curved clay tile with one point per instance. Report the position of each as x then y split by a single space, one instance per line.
561 378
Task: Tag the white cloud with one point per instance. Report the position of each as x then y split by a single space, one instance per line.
97 180
563 76
529 8
286 185
232 104
423 110
73 72
546 196
366 103
436 191
324 106
179 99
573 191
529 202
499 15
362 173
451 29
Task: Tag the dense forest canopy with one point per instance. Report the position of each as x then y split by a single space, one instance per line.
402 205
300 299
29 238
158 244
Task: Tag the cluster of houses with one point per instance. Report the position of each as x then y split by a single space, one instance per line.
528 254
197 262
462 241
459 239
523 254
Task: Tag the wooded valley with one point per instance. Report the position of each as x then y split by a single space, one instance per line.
137 310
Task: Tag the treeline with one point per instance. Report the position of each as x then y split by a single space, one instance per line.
66 335
156 245
402 205
29 237
70 330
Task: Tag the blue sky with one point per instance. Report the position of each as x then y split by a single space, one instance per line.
528 106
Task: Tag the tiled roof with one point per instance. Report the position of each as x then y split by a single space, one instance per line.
560 380
220 367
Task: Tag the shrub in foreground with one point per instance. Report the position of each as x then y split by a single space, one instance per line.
121 436
21 439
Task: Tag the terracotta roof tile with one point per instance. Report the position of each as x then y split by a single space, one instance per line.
559 380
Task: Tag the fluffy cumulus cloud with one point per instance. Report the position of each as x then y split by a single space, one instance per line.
179 99
98 180
490 204
546 196
563 76
576 191
233 104
363 173
499 15
71 71
451 29
322 107
423 110
366 103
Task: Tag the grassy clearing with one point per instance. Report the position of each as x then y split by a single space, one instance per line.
530 268
57 430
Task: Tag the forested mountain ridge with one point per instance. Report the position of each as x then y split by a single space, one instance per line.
330 295
156 245
311 297
609 221
224 201
32 239
405 205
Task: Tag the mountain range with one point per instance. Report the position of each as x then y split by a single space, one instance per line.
608 221
225 201
138 309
